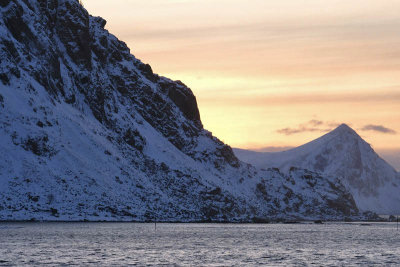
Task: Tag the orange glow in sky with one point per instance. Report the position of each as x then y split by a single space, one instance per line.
273 73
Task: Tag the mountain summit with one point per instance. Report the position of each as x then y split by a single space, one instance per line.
342 153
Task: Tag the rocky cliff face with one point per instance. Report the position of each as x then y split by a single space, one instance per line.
89 132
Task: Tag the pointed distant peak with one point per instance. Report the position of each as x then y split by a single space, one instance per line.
344 129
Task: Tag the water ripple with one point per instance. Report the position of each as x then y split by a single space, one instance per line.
105 244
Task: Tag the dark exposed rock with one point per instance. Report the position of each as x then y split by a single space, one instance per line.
40 124
147 71
260 220
372 216
17 27
38 145
134 139
11 50
71 99
53 211
4 78
183 98
73 29
100 21
4 3
227 153
341 205
34 198
216 191
260 189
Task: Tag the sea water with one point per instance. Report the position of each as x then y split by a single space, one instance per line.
116 244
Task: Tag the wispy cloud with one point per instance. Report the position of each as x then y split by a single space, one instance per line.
301 129
315 122
273 148
310 126
378 128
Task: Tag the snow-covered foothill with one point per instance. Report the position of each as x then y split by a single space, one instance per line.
342 153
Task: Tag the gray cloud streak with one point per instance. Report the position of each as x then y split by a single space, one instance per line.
290 131
310 126
378 128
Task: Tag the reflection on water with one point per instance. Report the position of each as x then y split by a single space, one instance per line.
199 244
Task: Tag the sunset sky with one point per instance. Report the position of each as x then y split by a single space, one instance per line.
274 73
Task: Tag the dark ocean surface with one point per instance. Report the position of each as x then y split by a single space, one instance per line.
106 244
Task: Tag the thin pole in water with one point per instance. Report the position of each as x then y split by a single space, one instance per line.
155 222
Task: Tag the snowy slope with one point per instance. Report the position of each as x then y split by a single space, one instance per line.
89 132
374 184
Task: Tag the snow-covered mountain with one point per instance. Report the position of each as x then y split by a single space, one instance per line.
374 184
89 132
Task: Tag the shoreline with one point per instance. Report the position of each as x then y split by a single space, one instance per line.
199 222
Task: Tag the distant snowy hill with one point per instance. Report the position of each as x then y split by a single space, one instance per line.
374 184
89 132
